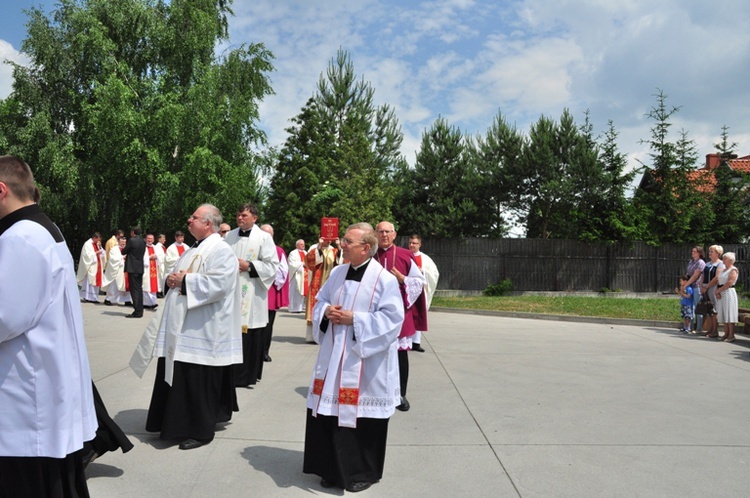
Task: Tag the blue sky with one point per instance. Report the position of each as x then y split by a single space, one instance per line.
467 60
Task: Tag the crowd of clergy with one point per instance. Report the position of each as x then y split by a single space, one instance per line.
365 302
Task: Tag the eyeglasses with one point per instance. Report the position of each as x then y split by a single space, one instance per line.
350 242
223 231
384 232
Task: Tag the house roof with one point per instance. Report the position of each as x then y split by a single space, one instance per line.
703 178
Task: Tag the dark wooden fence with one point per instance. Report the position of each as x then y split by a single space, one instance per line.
564 265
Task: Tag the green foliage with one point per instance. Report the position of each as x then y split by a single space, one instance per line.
439 197
338 159
128 117
500 289
671 204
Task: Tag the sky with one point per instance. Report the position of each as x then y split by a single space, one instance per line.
468 60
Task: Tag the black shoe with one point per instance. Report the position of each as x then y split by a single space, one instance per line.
417 347
190 444
133 315
267 358
358 486
404 407
107 302
326 484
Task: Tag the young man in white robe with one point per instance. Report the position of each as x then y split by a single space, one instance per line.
174 251
431 275
45 394
114 276
297 278
153 276
355 384
257 261
91 269
196 338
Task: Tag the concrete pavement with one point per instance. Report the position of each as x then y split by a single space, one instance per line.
501 407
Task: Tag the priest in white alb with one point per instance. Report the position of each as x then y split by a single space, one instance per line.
431 275
91 269
174 251
297 278
355 384
153 275
115 280
258 262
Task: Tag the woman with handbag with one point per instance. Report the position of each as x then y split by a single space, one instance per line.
711 273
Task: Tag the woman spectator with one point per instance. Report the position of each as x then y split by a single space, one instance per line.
695 270
726 297
711 273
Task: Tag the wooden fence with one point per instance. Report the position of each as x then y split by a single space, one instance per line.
564 265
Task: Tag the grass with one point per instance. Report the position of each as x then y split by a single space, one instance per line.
610 307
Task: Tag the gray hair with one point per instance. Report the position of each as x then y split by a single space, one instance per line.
213 216
368 235
730 256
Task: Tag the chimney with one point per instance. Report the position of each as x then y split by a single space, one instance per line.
713 161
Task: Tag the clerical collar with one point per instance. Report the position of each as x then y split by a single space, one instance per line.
34 213
245 233
197 243
356 273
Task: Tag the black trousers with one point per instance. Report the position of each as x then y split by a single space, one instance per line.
268 332
135 280
403 370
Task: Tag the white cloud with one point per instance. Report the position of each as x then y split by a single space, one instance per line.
8 53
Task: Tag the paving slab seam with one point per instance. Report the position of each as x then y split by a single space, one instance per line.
476 422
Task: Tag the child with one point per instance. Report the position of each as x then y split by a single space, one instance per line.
686 303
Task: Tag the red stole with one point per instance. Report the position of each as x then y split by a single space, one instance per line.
125 275
153 273
99 269
418 259
180 249
305 288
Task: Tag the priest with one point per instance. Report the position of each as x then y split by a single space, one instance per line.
400 262
354 388
297 278
45 394
91 269
196 339
257 261
431 275
153 264
174 251
115 280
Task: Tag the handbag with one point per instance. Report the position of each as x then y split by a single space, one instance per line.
704 306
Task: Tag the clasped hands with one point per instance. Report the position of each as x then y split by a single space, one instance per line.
339 316
174 280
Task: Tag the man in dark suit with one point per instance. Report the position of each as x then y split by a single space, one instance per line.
135 249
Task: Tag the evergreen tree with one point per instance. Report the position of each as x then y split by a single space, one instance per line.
672 196
349 150
440 192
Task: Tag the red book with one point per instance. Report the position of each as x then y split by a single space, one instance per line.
329 228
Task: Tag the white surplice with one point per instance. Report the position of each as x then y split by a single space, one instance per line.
46 401
203 326
260 250
114 277
356 374
171 257
297 273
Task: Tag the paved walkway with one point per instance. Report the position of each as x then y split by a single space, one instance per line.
501 407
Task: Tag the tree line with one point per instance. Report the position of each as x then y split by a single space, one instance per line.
128 115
